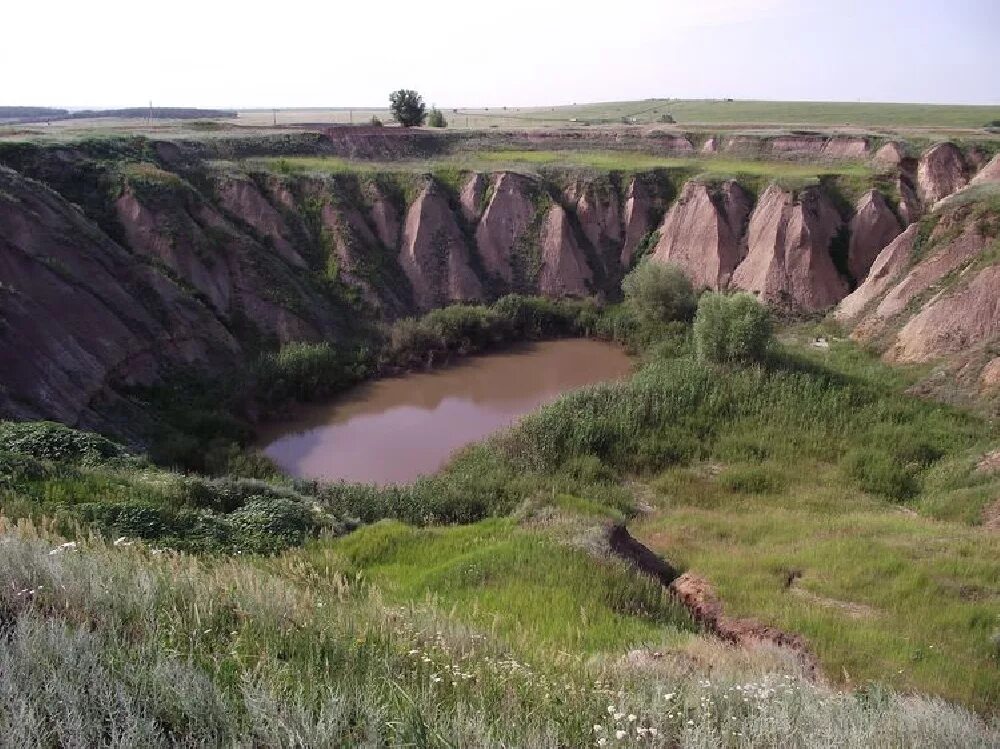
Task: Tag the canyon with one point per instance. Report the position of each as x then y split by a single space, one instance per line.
188 255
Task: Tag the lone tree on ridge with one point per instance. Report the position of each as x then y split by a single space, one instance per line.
407 107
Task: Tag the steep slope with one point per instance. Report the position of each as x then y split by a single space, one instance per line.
636 219
873 227
940 172
788 261
80 316
883 273
564 269
933 296
434 253
504 224
701 232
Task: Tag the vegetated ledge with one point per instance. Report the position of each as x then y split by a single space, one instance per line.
699 597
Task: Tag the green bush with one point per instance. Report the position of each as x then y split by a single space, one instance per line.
731 328
16 468
273 523
308 370
658 293
532 317
880 472
436 118
752 479
47 440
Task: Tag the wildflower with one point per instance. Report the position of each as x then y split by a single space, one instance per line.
653 731
619 734
670 695
631 718
690 722
598 728
602 741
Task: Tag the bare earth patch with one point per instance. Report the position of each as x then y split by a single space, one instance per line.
991 516
850 608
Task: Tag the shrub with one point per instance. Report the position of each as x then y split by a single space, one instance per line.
659 293
375 121
536 317
466 328
880 472
273 523
307 370
734 328
750 479
436 118
16 468
47 440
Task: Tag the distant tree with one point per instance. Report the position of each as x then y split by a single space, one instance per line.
659 293
407 107
436 118
376 122
667 118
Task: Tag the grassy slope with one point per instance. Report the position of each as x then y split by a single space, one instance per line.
897 583
339 618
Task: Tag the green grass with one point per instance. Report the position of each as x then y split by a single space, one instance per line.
518 583
626 161
890 596
118 646
719 112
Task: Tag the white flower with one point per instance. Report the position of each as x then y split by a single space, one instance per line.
602 741
654 732
598 728
631 718
690 722
619 734
668 696
611 709
619 716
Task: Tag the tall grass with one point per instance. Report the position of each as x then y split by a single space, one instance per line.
119 647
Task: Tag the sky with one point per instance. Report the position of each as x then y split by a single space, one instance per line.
308 53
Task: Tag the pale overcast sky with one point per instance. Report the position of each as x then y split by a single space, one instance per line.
510 52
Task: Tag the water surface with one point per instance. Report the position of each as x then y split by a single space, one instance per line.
394 430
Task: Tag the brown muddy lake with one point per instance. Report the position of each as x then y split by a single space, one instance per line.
394 430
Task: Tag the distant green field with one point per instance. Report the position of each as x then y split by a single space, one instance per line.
718 112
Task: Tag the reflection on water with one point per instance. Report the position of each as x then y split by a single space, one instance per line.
393 430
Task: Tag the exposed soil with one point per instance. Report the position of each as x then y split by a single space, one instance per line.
991 516
700 598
